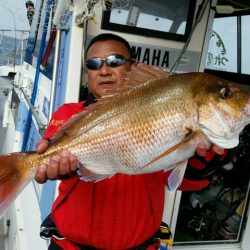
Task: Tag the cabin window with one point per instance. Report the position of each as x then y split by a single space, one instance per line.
245 59
228 52
165 19
222 52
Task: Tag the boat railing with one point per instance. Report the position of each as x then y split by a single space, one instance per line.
40 124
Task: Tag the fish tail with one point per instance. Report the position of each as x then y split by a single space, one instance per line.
13 178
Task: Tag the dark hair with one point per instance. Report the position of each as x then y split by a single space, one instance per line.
110 36
29 4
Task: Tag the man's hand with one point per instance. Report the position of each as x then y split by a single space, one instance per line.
59 165
202 149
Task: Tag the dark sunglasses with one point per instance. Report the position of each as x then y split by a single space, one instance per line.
112 61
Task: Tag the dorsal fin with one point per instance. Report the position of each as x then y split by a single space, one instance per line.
140 73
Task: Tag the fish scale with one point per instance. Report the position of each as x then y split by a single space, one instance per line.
155 124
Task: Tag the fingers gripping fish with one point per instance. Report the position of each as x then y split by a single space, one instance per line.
152 124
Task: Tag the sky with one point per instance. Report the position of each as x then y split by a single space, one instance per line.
13 16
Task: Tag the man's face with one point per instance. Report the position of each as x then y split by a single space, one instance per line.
106 78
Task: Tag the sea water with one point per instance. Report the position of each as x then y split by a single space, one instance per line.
9 50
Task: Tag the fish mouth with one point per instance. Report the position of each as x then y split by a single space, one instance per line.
229 139
221 141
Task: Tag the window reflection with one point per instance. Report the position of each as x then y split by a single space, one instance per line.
169 16
156 18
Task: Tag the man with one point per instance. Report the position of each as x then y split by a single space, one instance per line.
122 212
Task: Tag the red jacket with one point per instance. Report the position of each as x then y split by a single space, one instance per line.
117 213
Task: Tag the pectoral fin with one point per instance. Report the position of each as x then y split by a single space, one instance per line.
176 177
182 144
94 177
88 176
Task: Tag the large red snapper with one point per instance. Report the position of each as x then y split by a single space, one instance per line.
155 124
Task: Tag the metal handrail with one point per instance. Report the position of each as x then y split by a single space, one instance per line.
41 126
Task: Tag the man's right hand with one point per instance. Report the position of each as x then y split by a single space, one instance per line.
59 165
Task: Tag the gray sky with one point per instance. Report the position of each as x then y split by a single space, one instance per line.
13 15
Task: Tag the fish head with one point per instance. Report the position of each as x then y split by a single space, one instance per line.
224 111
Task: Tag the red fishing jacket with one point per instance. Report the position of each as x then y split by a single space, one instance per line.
117 213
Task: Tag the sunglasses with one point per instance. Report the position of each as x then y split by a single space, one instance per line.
111 61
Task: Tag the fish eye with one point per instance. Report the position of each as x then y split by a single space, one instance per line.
225 92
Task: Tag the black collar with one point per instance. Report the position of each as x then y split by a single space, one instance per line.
90 99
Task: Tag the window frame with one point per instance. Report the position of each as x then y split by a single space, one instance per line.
106 24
